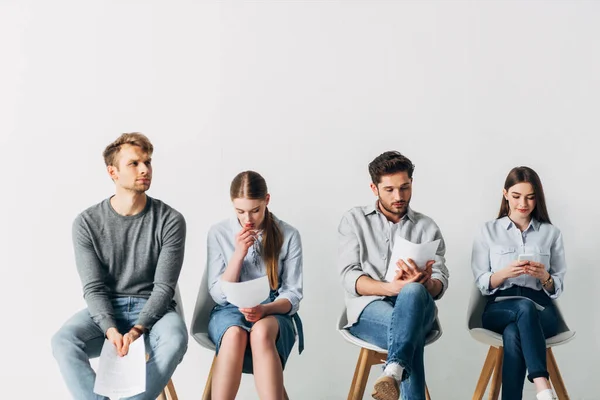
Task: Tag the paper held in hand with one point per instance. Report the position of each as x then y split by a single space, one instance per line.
120 377
420 253
247 294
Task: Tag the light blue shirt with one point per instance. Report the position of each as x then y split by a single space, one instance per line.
500 242
221 245
365 246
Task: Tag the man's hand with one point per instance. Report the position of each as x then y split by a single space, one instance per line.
113 336
253 314
129 338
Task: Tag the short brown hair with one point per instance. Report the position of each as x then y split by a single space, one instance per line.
134 139
389 163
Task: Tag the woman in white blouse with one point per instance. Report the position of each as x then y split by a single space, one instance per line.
521 254
250 245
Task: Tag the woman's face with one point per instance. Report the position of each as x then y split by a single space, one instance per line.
521 200
251 211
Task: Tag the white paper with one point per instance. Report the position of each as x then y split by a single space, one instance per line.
502 298
420 253
246 294
119 377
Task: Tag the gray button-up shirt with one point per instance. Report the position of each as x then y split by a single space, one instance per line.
365 245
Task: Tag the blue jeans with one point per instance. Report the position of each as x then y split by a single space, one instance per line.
400 325
80 339
524 331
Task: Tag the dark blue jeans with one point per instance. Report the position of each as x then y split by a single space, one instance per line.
524 331
400 325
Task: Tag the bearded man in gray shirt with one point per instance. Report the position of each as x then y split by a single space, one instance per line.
129 252
395 315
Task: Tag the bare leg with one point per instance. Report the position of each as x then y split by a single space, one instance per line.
228 367
268 372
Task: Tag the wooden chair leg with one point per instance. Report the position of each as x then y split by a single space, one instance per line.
427 396
170 391
162 395
497 378
361 375
208 387
486 373
555 377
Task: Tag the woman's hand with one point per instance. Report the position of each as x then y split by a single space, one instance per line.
537 270
512 270
243 240
254 314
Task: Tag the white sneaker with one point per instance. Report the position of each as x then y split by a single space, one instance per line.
547 394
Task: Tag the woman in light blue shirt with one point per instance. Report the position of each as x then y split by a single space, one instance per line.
251 245
521 254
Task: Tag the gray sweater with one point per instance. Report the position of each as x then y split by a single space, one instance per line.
138 255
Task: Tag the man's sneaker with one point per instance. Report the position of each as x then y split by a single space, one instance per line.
547 394
386 388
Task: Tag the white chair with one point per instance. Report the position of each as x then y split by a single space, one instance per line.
199 329
372 355
493 361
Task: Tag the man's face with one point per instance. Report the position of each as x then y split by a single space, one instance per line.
134 169
394 192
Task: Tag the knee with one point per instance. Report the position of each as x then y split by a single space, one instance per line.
176 342
236 337
62 341
526 309
414 290
263 335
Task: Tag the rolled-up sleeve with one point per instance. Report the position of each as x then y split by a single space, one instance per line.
291 274
480 263
215 263
349 256
439 270
558 266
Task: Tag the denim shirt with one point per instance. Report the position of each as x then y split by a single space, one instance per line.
365 245
500 242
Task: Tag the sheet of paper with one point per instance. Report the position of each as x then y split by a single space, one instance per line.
247 294
502 298
119 377
420 253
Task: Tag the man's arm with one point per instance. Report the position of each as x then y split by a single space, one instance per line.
93 276
167 272
440 275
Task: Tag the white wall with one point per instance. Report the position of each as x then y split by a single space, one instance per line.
307 93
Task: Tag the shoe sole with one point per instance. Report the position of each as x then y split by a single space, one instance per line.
385 391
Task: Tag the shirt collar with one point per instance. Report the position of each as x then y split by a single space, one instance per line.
410 214
533 224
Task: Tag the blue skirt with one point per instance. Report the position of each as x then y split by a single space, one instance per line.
224 317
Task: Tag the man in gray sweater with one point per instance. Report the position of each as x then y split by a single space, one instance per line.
129 252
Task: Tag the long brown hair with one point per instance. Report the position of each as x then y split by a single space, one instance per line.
251 185
526 174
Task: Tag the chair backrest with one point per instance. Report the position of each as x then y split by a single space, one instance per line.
204 305
477 306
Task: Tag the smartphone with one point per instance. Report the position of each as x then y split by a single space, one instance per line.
526 257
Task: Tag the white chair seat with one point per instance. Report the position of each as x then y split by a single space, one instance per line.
431 337
491 338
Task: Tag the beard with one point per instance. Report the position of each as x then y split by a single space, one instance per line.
393 209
